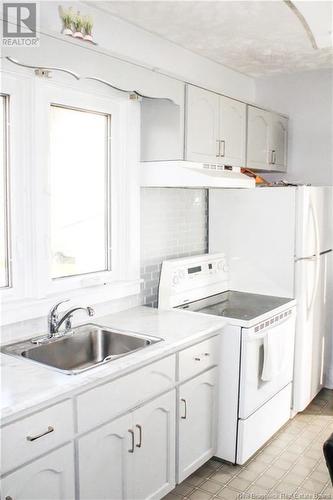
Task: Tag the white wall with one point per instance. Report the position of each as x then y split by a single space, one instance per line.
132 43
308 100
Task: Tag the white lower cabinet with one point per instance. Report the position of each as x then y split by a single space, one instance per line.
196 422
131 457
48 478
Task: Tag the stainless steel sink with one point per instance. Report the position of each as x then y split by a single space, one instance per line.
82 348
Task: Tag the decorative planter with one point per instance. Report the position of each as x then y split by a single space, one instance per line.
89 38
67 31
77 34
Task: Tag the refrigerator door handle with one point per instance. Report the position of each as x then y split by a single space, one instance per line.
317 258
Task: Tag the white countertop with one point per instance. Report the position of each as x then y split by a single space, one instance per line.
25 384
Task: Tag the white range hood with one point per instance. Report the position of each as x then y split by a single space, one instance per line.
186 174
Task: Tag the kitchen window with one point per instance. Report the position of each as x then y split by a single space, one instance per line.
74 212
80 194
5 274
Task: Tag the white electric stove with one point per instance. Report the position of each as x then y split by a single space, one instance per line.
257 350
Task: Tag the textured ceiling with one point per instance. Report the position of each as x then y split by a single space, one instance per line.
256 38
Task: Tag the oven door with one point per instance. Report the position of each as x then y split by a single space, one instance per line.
267 359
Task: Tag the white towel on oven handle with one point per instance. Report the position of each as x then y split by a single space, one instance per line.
274 351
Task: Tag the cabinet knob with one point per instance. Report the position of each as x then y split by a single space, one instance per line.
207 354
197 359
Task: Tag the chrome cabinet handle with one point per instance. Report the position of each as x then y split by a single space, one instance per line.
218 143
274 156
33 438
140 436
185 408
223 148
131 450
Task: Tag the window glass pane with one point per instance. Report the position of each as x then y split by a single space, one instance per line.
79 193
4 266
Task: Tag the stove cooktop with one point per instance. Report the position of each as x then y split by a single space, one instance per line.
236 305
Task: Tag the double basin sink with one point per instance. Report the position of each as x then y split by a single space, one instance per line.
82 348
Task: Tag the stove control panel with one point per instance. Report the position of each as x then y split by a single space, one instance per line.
192 278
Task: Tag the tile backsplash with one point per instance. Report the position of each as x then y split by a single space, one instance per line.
173 224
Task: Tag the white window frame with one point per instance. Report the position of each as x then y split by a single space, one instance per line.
38 292
48 96
17 189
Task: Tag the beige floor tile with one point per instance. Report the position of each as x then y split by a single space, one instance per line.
275 471
294 479
313 485
171 496
205 471
249 475
320 476
257 466
266 481
216 464
221 477
285 488
200 495
195 480
183 489
256 491
228 494
211 486
239 483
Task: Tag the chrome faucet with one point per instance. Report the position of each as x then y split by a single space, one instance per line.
55 323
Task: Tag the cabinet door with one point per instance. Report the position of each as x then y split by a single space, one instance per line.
48 478
154 455
106 460
278 141
258 125
196 422
202 123
232 132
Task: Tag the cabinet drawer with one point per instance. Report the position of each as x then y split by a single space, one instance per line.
34 435
198 358
109 400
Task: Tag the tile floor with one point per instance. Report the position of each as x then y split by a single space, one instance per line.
291 465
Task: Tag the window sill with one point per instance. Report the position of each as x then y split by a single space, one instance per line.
22 310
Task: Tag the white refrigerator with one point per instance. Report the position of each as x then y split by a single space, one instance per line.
279 241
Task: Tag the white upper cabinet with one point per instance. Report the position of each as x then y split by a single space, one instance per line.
266 140
202 125
258 121
278 142
215 128
232 132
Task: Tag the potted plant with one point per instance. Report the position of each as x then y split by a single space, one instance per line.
78 24
67 17
87 27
